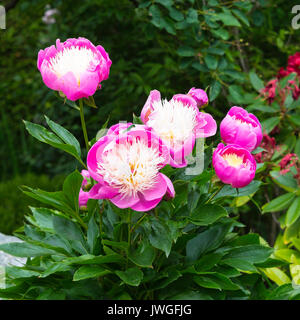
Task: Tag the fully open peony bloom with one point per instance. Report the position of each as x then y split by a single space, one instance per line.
234 165
178 123
126 166
84 195
75 67
241 128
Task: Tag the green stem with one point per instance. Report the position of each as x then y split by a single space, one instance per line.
86 139
101 210
129 236
138 222
80 221
214 194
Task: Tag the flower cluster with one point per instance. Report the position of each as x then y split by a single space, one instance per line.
233 163
287 162
272 87
126 162
269 145
124 165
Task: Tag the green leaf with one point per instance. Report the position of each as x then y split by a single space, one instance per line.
92 234
228 19
91 259
71 188
240 264
256 82
86 272
137 120
64 134
208 261
215 281
241 16
207 214
132 276
293 213
228 191
221 33
45 136
175 14
277 275
192 16
262 108
214 90
269 124
24 250
206 241
236 94
278 203
165 3
17 272
252 253
285 181
117 244
55 199
143 256
211 61
160 237
68 229
43 218
186 51
54 268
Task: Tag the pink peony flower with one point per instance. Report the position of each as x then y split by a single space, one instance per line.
241 128
84 195
199 96
234 165
75 67
178 123
126 166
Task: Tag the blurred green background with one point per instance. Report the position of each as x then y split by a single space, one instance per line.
169 45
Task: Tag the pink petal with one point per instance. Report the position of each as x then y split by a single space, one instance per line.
144 205
170 187
206 126
100 191
157 191
147 109
123 202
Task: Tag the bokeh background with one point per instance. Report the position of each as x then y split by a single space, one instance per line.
169 45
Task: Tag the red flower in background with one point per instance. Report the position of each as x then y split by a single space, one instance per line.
269 144
269 92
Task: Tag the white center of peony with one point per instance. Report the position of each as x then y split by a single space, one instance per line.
130 167
233 159
74 59
173 121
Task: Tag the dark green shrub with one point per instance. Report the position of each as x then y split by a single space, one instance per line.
14 203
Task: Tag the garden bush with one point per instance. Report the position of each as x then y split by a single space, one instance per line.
14 204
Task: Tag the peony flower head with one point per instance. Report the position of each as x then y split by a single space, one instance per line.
75 67
178 123
84 195
199 96
234 165
126 166
241 128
